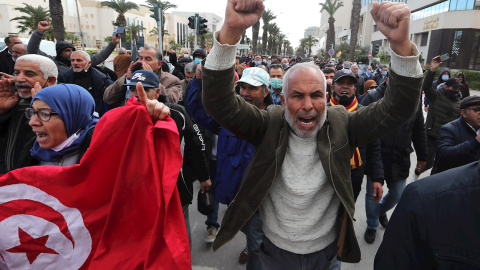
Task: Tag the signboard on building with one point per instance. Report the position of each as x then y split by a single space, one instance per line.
243 47
430 23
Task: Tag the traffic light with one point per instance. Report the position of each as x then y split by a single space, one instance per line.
376 49
201 29
154 9
191 22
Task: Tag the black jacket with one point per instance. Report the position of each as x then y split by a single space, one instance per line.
436 224
397 146
456 146
100 81
6 62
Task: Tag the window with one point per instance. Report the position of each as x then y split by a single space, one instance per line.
424 39
93 26
375 28
91 15
88 26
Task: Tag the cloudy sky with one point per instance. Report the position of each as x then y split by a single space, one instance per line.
293 17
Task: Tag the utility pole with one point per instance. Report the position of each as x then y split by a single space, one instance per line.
80 27
196 30
159 25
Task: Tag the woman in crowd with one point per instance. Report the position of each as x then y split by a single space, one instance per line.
465 90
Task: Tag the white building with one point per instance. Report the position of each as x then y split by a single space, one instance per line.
313 31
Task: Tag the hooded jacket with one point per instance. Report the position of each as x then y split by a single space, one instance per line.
436 83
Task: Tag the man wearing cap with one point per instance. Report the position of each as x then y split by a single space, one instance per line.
195 165
199 55
299 178
64 49
6 60
149 58
444 107
458 142
233 154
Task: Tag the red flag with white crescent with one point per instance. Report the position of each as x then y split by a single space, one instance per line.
118 209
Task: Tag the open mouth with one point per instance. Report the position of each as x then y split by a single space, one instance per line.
344 93
41 136
23 87
307 121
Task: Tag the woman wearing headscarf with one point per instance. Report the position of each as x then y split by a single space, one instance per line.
62 118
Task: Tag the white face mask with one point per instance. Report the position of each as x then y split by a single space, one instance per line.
186 55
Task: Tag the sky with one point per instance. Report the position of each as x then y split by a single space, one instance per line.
293 17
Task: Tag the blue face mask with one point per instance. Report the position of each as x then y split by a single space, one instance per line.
445 77
276 83
198 61
360 72
257 63
369 72
384 73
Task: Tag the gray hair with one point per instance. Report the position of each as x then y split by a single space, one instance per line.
302 67
122 50
191 67
47 66
85 54
158 53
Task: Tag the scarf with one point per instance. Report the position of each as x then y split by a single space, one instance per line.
75 106
356 160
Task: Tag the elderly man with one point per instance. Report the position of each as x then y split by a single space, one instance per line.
368 75
458 142
190 70
299 177
64 49
91 79
30 71
149 59
360 84
6 61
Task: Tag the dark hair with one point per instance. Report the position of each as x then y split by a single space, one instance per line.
464 81
328 71
275 62
276 66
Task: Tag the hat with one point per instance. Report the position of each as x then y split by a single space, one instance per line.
62 45
255 76
184 60
469 101
146 77
344 73
453 82
199 52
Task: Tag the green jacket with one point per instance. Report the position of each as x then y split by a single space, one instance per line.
442 109
268 131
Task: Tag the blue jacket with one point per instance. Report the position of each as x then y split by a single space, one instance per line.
233 153
456 146
436 224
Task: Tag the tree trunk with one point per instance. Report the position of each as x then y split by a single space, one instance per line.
121 21
56 12
354 25
330 34
264 40
255 30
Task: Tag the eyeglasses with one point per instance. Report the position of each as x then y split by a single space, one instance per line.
373 87
43 114
475 109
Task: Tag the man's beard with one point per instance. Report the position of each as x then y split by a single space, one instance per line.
22 86
298 132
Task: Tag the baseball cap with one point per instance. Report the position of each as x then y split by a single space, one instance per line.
146 77
470 101
344 73
255 77
453 82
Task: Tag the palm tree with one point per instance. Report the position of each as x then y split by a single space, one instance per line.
310 42
354 25
191 40
28 22
286 44
164 5
280 43
121 7
267 17
134 29
56 10
331 6
273 31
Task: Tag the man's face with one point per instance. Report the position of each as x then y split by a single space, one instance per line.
329 77
253 94
152 93
385 69
370 68
189 76
276 73
66 53
26 74
18 50
149 56
79 62
311 58
12 42
472 116
344 87
305 102
258 58
355 69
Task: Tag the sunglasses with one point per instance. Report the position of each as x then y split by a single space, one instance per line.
373 87
43 114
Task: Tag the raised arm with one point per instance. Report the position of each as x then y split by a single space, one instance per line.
33 46
105 53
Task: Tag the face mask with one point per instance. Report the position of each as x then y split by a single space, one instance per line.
384 73
369 72
360 72
186 55
264 61
198 61
344 100
257 63
313 62
445 77
452 93
276 83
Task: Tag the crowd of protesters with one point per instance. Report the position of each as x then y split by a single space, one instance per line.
284 142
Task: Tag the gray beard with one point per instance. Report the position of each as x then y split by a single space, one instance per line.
291 123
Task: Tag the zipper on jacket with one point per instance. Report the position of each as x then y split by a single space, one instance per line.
457 259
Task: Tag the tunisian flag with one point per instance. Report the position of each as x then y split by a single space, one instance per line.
118 209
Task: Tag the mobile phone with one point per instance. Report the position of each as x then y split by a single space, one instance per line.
444 57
